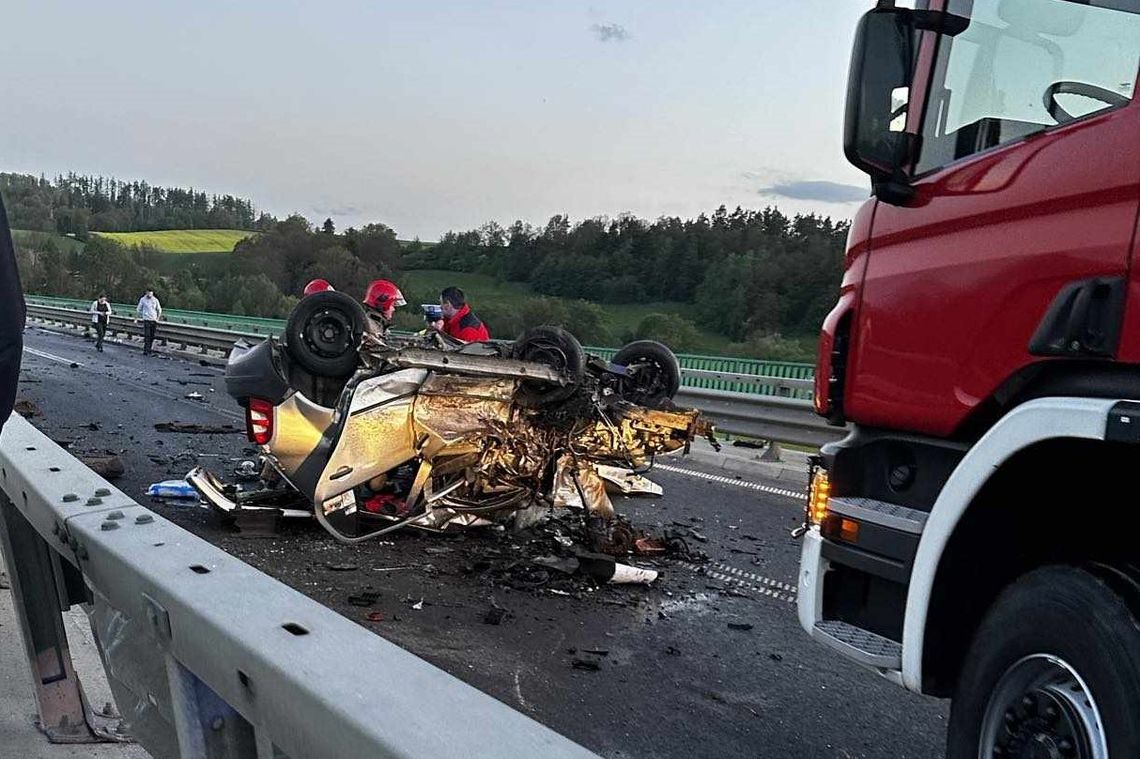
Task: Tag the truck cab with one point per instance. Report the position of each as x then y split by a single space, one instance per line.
970 537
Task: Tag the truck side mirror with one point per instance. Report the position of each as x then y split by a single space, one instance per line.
878 88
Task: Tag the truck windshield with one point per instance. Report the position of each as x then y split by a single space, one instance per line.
1023 66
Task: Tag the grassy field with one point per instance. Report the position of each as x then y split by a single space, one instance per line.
486 292
183 240
32 239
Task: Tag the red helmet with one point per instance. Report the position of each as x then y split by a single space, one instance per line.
381 293
317 286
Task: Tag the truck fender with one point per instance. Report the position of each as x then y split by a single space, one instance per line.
1028 424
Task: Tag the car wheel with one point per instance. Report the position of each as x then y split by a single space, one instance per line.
653 373
558 349
324 331
1053 671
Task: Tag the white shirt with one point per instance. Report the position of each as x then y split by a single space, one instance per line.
94 311
149 309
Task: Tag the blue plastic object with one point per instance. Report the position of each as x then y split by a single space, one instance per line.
172 489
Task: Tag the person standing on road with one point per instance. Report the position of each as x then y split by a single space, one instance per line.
459 320
100 317
149 311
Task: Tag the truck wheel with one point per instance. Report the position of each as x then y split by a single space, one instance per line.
1053 671
655 374
324 331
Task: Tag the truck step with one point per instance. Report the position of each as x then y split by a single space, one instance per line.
861 645
881 513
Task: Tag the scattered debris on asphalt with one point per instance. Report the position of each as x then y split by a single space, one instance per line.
341 567
197 429
364 598
109 467
178 489
27 409
589 665
495 615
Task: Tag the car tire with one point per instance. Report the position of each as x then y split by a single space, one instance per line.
1056 659
558 349
658 373
323 333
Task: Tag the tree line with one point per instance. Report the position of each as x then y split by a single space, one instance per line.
748 274
74 204
755 277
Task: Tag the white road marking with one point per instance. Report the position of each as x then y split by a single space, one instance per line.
799 496
52 356
750 581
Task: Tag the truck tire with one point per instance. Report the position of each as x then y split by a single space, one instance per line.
657 375
1053 670
324 331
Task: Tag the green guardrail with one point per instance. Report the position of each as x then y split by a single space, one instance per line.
726 364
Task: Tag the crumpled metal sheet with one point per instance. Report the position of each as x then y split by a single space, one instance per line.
624 482
593 488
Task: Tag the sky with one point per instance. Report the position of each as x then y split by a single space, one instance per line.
441 115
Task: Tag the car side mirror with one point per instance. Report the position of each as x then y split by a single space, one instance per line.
878 90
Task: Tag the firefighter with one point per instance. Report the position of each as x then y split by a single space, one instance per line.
459 321
381 300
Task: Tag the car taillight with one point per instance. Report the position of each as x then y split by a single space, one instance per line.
259 420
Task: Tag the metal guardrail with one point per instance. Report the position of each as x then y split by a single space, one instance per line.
206 656
770 411
731 373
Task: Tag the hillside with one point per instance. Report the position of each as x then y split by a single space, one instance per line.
182 240
497 299
41 240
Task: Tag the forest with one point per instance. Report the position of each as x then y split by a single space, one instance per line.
759 280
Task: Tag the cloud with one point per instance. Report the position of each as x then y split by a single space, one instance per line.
610 32
827 192
338 211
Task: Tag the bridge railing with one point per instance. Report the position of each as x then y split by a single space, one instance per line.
727 373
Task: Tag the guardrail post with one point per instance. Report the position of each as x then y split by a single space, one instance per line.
772 452
37 587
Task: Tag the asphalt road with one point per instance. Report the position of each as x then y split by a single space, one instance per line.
673 679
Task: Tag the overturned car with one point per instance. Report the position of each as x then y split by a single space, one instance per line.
371 434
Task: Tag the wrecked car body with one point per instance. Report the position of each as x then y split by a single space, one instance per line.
445 437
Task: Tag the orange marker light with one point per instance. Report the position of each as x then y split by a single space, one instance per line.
818 497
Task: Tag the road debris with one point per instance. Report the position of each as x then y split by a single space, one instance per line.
606 569
495 615
177 489
341 567
375 616
109 467
197 429
27 409
364 598
743 626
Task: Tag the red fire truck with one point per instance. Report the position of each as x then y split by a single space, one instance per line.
972 537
